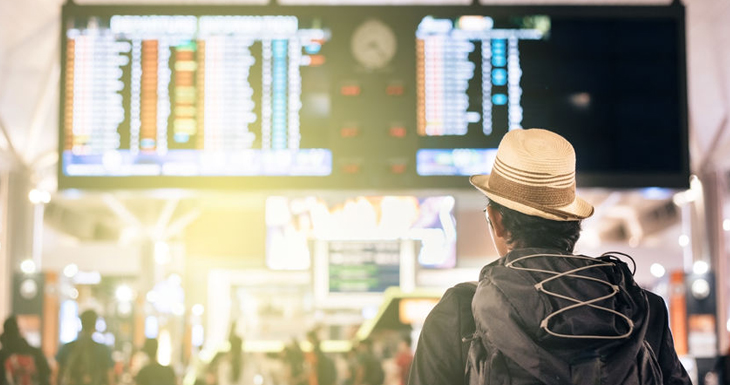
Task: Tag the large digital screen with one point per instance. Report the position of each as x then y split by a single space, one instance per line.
274 97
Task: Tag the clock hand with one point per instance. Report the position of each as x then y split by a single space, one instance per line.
376 47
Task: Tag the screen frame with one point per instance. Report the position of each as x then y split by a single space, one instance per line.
675 11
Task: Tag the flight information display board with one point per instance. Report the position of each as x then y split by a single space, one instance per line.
365 96
363 266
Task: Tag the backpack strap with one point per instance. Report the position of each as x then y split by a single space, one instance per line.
467 327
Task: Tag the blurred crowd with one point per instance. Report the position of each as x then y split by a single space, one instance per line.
85 361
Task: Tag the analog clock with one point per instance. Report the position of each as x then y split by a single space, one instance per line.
373 44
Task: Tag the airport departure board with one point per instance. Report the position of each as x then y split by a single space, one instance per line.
311 97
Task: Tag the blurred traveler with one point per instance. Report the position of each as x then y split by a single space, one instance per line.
369 369
320 369
352 365
229 367
139 360
403 358
293 359
20 363
541 314
85 361
154 373
720 373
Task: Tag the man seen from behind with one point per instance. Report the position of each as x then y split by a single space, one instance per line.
540 314
85 361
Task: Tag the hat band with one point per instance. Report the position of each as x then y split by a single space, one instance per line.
536 195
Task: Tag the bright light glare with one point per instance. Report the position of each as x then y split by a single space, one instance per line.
657 270
369 312
125 308
198 309
726 225
197 335
68 321
164 351
28 266
700 289
727 325
683 240
174 279
70 270
124 293
36 196
162 253
700 267
151 327
475 23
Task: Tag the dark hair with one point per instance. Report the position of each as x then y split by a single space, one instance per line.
11 338
150 348
530 231
407 339
88 320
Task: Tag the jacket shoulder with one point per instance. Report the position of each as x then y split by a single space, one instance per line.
440 357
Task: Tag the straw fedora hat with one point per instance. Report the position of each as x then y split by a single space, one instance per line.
534 173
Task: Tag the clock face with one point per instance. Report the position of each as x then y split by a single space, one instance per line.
373 44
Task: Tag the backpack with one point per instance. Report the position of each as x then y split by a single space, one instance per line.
488 363
20 369
83 366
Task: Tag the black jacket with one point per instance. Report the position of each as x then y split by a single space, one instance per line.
442 352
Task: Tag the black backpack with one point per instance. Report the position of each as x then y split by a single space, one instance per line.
487 363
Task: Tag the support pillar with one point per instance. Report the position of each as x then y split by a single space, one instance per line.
17 231
6 275
714 192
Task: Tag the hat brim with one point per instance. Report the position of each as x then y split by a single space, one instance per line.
576 210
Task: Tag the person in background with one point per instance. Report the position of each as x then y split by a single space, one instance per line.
369 369
226 368
403 358
352 365
154 373
541 314
720 373
293 359
85 361
137 361
320 369
20 363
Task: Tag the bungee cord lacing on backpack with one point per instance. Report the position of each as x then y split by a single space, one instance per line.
595 263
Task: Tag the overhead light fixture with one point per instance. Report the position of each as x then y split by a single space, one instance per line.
124 293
